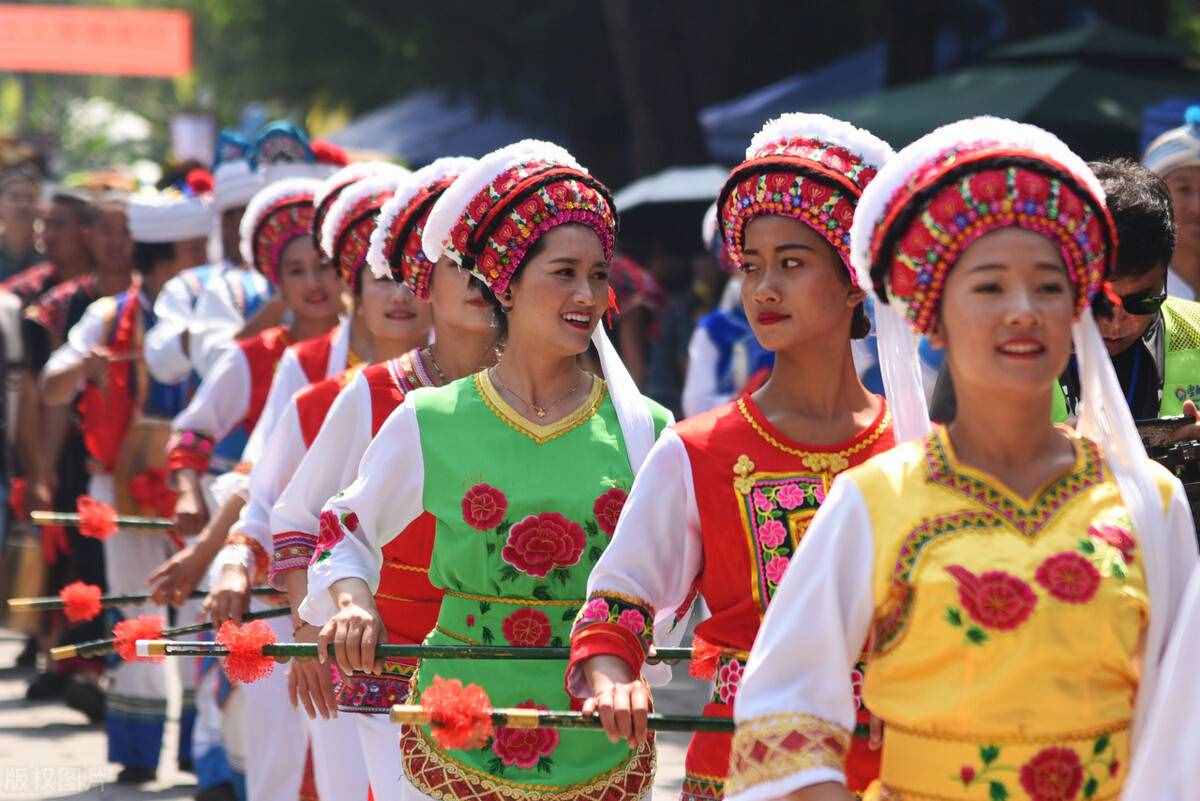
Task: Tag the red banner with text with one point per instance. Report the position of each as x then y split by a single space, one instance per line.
95 41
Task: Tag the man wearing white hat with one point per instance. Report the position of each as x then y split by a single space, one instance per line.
183 339
125 420
1175 155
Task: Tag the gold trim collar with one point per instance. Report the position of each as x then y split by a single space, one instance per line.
541 434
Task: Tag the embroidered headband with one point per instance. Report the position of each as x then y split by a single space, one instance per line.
396 241
277 215
965 180
346 231
809 167
332 186
490 217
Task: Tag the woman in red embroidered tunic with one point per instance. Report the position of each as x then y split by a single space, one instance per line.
726 496
1017 581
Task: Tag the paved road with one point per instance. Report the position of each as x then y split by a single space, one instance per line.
48 751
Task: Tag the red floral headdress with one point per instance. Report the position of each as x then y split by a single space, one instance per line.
809 167
963 181
346 231
492 214
275 217
396 242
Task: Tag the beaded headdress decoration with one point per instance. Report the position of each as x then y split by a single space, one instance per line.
809 167
332 186
487 220
963 181
276 216
350 221
396 242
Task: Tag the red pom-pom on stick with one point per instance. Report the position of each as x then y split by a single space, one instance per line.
96 518
128 632
705 655
461 717
81 602
246 662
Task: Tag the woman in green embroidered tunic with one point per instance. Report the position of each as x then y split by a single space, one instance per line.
521 469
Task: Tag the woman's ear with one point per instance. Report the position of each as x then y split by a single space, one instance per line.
855 296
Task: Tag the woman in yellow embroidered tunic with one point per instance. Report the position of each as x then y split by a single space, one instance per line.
518 484
999 568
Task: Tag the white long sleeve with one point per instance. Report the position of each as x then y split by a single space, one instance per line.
656 551
384 499
222 400
269 477
86 334
289 379
330 464
700 391
798 674
166 358
219 318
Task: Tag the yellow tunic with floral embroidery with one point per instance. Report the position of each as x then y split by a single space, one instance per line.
1005 646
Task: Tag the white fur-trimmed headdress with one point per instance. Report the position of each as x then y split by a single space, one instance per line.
334 184
274 217
1037 161
809 167
347 227
396 248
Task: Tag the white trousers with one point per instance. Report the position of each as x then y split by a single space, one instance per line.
277 735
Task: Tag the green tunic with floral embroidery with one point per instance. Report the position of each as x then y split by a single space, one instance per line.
522 514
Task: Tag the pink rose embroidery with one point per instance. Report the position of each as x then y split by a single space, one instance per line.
1117 537
761 502
995 599
483 507
633 620
776 568
607 509
771 534
596 609
1069 577
523 748
331 531
1054 774
540 543
728 679
790 496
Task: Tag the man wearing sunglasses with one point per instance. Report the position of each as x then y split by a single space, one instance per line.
1153 339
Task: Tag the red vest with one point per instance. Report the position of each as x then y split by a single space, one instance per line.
313 355
263 352
756 493
406 600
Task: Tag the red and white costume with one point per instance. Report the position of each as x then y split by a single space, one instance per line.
725 498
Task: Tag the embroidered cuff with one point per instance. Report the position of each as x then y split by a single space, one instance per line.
293 550
630 613
773 747
189 450
259 561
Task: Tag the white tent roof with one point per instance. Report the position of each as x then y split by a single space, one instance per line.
673 185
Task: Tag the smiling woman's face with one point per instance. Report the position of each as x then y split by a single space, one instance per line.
308 284
560 293
1006 315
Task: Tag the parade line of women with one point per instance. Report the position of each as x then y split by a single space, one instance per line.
437 443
